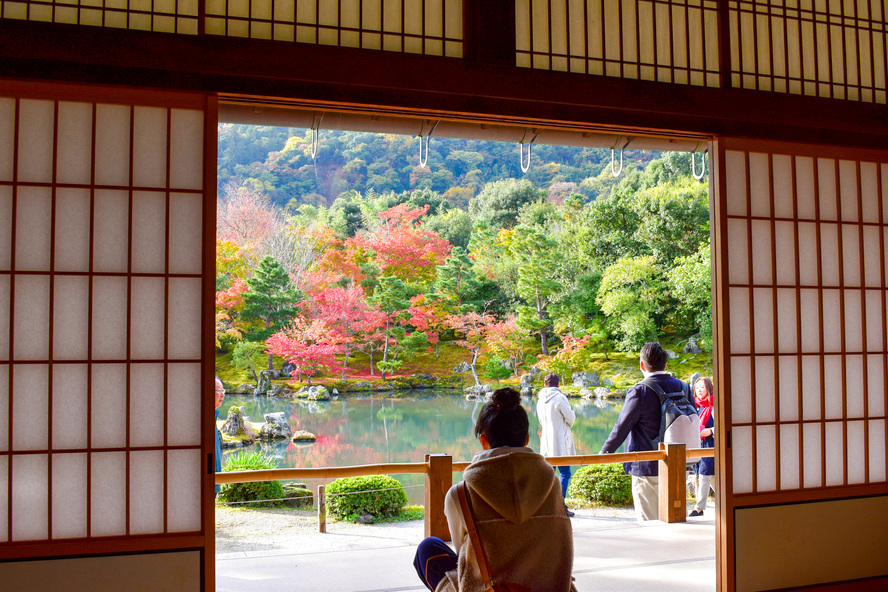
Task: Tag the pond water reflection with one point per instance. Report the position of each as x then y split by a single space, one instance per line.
377 429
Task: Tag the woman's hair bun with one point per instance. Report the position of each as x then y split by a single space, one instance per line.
506 398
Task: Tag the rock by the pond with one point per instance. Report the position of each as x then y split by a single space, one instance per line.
296 495
462 367
526 379
585 379
693 379
607 382
526 390
365 519
288 368
602 391
586 393
692 346
236 424
671 354
243 388
275 426
478 390
303 436
264 383
318 393
603 403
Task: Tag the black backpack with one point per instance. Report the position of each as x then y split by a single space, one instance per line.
679 420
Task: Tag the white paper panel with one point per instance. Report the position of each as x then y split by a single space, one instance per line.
759 180
811 388
33 228
835 453
111 233
790 456
785 249
742 459
71 230
186 219
147 310
70 404
107 493
35 139
108 405
183 405
853 320
869 191
186 149
146 404
4 407
856 452
788 367
832 387
766 458
149 232
146 491
4 317
5 227
762 271
31 321
70 317
829 254
877 447
805 187
739 320
855 380
183 490
74 145
764 389
741 397
810 309
884 171
848 190
783 196
735 169
112 145
4 499
763 317
807 251
787 327
69 496
875 373
832 321
812 450
872 262
184 318
150 147
7 138
826 179
109 330
30 497
851 255
738 252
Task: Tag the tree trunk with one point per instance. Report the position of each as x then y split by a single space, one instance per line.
472 366
385 348
543 346
345 365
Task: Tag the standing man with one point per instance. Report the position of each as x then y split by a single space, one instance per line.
556 418
640 421
220 396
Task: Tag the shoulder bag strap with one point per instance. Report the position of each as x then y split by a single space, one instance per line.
483 566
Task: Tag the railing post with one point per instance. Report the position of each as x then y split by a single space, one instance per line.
438 480
672 486
322 508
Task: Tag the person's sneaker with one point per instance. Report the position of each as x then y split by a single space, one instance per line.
570 514
696 513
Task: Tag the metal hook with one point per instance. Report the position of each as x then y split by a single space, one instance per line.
613 172
524 167
315 124
694 166
423 160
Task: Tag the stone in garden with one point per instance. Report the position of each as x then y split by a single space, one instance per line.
462 367
365 519
303 436
275 426
602 392
586 393
607 382
296 495
335 392
692 346
603 403
478 390
263 385
585 379
671 354
244 388
288 368
693 379
526 380
526 390
318 393
236 424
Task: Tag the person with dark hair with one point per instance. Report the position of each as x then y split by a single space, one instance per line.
640 421
515 503
556 418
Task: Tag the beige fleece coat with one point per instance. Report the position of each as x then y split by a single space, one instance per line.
521 520
556 418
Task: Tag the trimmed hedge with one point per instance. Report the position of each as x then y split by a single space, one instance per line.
250 492
605 484
364 497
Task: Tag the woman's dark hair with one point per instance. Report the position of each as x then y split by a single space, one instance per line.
503 420
551 379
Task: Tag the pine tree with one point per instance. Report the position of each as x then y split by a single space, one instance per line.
269 300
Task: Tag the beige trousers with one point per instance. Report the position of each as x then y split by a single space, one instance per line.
645 496
704 483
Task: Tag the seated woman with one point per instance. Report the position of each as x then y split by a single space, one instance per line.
515 500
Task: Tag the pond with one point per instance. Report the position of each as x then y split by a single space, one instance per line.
380 429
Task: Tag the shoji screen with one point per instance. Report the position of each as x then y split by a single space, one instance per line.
801 274
103 264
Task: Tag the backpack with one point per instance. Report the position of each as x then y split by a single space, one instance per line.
679 421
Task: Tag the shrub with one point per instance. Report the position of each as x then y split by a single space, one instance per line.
495 370
248 492
364 497
606 484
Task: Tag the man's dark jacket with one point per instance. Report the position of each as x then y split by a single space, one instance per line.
640 420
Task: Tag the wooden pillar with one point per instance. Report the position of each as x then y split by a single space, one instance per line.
322 509
438 480
672 485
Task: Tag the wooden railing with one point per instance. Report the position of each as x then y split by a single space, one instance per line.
439 468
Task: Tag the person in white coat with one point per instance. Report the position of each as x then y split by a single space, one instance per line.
556 418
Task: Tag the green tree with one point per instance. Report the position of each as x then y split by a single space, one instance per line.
456 279
537 257
455 225
499 202
691 283
632 294
269 300
247 355
392 299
